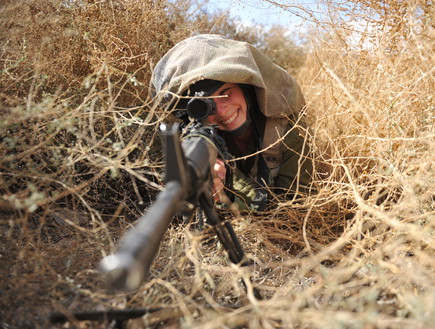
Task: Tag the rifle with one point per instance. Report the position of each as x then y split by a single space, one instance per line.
188 186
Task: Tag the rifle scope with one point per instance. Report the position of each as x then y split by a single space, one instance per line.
199 107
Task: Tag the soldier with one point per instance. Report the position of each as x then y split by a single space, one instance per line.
258 109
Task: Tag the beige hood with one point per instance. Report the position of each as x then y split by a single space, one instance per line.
218 58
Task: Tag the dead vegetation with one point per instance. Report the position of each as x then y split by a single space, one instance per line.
81 160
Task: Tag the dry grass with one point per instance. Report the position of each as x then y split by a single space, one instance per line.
80 161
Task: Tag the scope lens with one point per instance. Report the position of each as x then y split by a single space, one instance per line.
200 108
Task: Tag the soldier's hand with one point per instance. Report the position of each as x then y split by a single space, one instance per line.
219 179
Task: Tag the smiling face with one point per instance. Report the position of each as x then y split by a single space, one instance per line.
231 110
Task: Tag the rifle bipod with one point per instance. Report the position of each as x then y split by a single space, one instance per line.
226 236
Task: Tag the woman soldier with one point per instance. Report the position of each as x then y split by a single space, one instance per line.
258 110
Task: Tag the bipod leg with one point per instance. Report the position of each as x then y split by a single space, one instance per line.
226 236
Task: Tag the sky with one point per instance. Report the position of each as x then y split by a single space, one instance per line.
259 11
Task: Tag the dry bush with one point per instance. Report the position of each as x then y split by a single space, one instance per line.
77 140
369 80
62 42
80 160
76 117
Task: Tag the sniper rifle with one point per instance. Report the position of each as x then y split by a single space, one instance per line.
188 187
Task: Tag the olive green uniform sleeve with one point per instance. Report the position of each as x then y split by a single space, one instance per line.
296 169
294 175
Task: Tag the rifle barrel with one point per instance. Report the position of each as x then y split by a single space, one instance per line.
126 269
